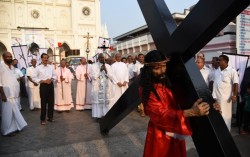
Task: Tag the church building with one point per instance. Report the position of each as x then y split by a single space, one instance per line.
45 23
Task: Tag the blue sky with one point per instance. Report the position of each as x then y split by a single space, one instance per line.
121 16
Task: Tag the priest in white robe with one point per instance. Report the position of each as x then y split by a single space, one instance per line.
33 87
12 119
102 87
121 77
83 94
64 101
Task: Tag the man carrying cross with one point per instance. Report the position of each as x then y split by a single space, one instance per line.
168 125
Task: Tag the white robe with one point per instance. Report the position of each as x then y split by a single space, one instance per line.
19 74
222 91
33 91
63 102
81 88
102 90
121 74
12 119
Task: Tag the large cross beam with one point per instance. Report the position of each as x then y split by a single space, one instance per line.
205 20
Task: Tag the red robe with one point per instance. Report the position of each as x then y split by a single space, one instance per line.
165 115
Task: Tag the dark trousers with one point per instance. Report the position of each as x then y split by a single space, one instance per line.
240 112
47 97
131 81
246 120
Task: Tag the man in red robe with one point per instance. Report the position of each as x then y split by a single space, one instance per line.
168 125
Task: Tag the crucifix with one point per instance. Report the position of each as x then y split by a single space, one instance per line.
205 20
104 47
21 55
87 49
87 52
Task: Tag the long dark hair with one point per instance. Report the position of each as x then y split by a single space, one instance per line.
147 80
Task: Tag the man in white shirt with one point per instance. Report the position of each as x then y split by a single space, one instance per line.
225 88
121 77
33 87
12 120
138 65
45 76
205 72
137 70
20 79
215 66
130 66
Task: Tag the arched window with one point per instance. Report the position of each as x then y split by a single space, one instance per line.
50 54
66 47
34 48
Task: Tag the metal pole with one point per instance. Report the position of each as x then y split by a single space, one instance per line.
86 79
61 70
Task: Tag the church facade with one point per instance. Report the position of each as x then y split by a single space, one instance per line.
49 22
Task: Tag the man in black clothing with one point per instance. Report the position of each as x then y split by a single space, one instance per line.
45 76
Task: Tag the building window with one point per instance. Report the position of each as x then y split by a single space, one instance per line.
86 11
35 14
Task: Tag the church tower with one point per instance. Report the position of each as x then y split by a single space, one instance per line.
86 18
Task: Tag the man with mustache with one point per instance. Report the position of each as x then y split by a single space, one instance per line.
102 88
12 120
45 75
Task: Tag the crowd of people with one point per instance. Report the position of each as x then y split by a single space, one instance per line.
223 81
99 86
48 87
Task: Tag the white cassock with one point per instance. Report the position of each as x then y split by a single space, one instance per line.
121 74
33 91
81 88
102 90
63 101
222 91
12 119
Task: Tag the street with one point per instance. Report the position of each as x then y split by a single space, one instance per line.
78 134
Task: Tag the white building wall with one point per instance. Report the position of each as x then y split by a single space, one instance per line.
65 20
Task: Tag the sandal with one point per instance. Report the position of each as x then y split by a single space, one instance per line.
43 123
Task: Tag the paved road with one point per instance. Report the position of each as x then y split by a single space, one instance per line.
77 134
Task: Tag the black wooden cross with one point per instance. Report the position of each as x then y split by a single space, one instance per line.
207 18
